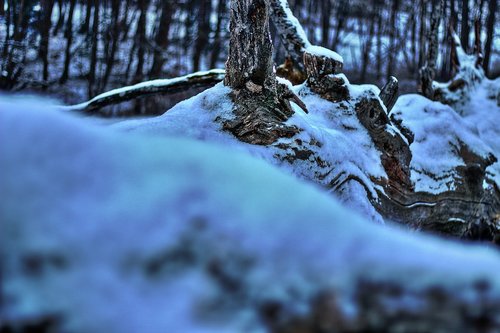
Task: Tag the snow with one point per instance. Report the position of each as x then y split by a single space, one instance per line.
308 47
344 144
324 52
440 133
87 209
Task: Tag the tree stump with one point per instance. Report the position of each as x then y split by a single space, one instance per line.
261 103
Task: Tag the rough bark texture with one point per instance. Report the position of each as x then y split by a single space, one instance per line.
321 79
294 40
261 104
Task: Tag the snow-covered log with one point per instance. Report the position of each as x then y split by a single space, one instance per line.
469 78
143 234
161 86
437 173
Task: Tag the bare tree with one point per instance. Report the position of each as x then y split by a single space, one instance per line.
490 33
47 6
161 39
465 30
69 42
428 72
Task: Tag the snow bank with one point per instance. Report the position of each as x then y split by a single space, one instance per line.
120 233
441 132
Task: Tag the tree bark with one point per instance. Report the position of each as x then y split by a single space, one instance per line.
261 104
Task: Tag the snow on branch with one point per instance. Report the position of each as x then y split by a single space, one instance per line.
294 37
116 96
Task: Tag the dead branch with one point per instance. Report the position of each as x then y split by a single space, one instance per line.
297 45
389 93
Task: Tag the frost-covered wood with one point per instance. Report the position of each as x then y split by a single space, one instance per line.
469 75
389 93
459 199
298 46
148 88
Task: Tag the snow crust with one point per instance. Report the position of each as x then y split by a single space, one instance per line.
86 210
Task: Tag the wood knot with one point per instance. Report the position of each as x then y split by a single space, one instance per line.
253 88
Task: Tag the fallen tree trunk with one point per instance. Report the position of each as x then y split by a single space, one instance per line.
466 203
148 88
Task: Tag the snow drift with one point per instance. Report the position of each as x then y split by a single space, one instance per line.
108 232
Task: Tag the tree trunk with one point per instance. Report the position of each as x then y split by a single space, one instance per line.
60 20
422 32
47 7
392 56
428 72
490 28
115 37
261 105
2 9
161 39
326 11
141 40
367 46
216 49
465 28
93 53
205 9
69 42
88 14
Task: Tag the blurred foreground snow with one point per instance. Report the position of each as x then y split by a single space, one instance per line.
113 232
